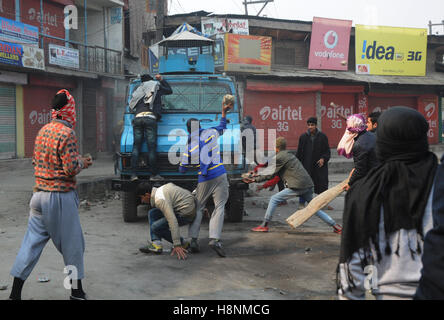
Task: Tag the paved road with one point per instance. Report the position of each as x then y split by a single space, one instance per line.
282 264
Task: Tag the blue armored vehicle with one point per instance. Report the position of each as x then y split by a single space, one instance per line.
197 93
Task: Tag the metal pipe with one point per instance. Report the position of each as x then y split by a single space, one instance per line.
41 22
66 34
17 10
86 36
61 39
105 42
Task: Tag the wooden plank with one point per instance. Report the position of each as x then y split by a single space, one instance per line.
317 203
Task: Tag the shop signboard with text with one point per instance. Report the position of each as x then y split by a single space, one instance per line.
329 46
219 26
21 55
17 32
391 50
247 53
64 56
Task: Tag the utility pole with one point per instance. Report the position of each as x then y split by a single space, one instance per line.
265 2
160 19
434 24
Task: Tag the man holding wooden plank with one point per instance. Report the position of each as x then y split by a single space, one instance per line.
297 183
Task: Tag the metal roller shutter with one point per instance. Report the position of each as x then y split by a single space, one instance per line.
7 122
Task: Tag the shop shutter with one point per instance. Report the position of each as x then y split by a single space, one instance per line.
7 122
89 122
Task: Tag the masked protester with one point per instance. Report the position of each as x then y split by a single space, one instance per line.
388 212
54 204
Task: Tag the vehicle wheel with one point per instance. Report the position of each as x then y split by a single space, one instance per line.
129 206
234 208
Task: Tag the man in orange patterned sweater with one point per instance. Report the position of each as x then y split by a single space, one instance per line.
54 204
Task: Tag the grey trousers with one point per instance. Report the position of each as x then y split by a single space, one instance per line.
55 216
218 188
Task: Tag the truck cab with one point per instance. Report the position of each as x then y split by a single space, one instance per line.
197 93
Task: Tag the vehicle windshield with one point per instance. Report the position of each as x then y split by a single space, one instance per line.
195 97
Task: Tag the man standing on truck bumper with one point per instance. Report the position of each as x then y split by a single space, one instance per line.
212 180
146 104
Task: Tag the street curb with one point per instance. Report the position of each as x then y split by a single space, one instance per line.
94 189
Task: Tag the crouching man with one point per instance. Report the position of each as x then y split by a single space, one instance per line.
173 207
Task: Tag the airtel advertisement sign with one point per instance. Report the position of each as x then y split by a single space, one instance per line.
329 46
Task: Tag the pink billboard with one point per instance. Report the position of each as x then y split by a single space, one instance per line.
329 46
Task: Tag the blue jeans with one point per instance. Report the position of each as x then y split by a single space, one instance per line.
286 194
145 127
159 228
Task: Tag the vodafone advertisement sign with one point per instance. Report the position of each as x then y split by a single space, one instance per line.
329 46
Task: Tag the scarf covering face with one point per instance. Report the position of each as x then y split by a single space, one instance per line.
67 112
355 125
401 184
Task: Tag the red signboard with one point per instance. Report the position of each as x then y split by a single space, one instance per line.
285 112
332 124
7 9
382 103
329 46
428 106
244 53
37 113
53 16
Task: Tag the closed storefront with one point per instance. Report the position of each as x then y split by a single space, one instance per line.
284 107
101 121
37 112
95 122
90 121
426 104
347 100
8 141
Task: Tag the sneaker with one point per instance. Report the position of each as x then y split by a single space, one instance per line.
301 206
157 178
216 245
84 297
260 229
337 228
152 247
134 177
194 246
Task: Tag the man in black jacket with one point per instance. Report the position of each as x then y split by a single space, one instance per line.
431 284
314 153
364 156
146 104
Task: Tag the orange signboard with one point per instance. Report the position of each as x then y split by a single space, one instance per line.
245 53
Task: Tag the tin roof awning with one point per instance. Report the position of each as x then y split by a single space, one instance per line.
432 78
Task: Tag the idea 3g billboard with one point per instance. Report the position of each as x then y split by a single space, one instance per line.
391 50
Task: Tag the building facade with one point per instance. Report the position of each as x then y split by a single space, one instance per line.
40 56
289 93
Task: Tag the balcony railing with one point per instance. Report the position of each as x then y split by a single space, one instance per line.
91 58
